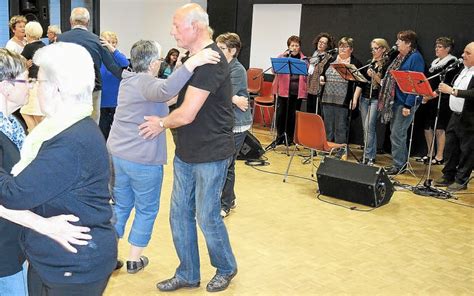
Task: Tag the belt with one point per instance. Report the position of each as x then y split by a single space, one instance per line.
457 113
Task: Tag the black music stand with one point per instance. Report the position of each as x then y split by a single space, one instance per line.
289 66
350 72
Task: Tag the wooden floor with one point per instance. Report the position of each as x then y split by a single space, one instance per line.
287 242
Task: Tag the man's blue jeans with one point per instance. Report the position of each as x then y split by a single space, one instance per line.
196 195
399 125
370 124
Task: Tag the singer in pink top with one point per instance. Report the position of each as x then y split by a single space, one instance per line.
290 91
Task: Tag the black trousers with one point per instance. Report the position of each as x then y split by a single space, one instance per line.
38 287
287 107
311 104
459 151
106 120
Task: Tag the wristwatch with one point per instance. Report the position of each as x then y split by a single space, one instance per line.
453 91
162 124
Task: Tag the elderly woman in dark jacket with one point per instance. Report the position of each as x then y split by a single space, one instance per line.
64 169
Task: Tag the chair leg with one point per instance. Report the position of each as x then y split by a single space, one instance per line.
263 116
289 163
312 163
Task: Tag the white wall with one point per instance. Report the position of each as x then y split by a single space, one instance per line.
140 19
272 24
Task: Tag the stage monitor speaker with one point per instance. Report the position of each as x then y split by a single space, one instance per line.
251 149
36 10
354 182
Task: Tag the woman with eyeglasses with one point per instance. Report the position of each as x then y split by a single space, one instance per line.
322 43
14 86
339 96
397 107
444 58
64 169
31 112
370 93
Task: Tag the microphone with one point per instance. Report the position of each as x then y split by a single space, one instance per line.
453 65
334 50
287 52
391 51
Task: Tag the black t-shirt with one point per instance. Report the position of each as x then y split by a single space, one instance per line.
209 137
28 52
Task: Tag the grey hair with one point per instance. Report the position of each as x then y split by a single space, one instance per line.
34 30
198 15
54 29
70 67
12 64
80 16
143 53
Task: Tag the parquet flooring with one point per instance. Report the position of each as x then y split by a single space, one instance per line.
287 242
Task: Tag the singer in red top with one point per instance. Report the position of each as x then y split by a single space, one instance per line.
290 90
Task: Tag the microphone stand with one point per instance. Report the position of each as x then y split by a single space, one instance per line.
427 189
367 118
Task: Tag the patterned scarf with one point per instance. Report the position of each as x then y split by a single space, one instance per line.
387 89
11 127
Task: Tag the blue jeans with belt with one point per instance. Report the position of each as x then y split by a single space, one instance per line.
196 195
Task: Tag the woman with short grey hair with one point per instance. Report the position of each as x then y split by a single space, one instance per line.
64 169
138 163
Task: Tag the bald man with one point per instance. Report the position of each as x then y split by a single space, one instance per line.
204 148
460 131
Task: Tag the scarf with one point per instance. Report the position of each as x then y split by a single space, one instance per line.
65 117
438 63
11 127
387 89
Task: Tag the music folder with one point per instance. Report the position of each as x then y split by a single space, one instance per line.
349 72
414 83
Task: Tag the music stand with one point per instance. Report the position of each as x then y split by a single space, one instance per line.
349 72
289 66
412 83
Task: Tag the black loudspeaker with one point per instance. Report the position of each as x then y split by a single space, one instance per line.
36 10
353 182
251 149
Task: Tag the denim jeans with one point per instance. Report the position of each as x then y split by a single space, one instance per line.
399 126
228 193
96 95
370 124
136 185
196 195
336 123
15 284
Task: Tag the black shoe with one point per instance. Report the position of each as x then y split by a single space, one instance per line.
220 282
225 212
456 187
443 182
119 264
136 266
174 284
393 170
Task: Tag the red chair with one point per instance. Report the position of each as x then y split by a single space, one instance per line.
254 80
265 101
310 133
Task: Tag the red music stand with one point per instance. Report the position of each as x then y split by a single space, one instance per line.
414 83
349 72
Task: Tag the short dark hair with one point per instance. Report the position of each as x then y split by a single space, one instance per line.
293 38
231 40
408 36
445 42
326 35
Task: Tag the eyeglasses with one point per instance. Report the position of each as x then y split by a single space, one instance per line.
30 82
375 48
222 48
439 46
322 42
344 47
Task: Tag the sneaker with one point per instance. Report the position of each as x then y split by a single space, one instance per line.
234 204
225 212
136 266
442 182
370 162
456 187
220 282
119 264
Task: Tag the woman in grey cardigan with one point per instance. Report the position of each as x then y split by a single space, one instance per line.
138 163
